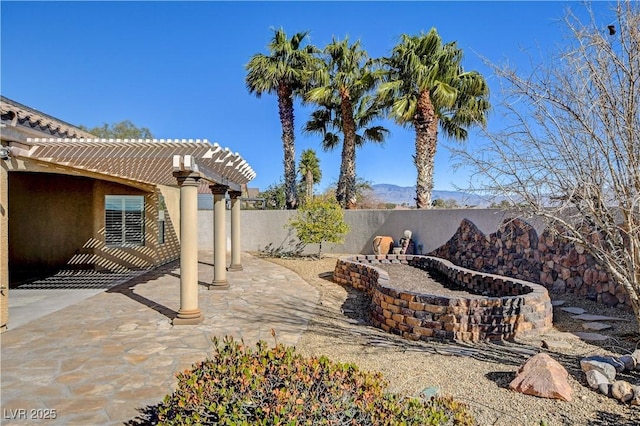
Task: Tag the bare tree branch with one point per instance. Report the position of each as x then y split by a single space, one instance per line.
570 151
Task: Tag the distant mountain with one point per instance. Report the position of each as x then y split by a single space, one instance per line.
389 193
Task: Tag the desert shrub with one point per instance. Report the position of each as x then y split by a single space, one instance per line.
276 386
319 220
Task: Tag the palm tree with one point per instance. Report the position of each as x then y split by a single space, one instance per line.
310 170
426 88
285 71
326 121
342 85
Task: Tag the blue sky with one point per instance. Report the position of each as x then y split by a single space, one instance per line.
178 67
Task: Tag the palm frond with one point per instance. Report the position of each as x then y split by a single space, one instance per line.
376 134
423 62
331 141
286 63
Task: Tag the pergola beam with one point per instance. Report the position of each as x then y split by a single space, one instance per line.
142 160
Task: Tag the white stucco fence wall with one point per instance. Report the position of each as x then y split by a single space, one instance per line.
431 228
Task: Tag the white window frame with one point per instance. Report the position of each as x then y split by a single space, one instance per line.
161 220
124 220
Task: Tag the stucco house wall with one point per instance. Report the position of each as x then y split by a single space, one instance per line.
58 221
4 243
50 217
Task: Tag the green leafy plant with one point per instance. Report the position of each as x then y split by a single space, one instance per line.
122 130
276 386
320 220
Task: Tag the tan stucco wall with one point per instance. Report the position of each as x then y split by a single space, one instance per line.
50 216
4 246
147 256
58 220
172 201
431 228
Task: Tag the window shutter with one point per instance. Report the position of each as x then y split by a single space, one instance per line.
113 221
124 220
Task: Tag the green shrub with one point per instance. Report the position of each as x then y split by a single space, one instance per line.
318 220
276 386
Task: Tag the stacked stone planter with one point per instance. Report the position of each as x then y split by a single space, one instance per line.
499 308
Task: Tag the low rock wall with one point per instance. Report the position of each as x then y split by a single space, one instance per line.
499 308
516 250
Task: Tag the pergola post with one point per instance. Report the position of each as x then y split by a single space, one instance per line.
236 262
189 312
219 238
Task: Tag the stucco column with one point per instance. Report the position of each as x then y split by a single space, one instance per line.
189 312
236 263
219 238
4 246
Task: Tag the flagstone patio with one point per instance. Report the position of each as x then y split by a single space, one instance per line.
100 359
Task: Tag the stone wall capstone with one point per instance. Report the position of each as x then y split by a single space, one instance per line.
515 250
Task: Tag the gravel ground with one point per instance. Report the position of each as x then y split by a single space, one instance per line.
419 281
476 374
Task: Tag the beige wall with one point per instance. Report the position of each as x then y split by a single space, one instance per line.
172 201
4 246
50 216
58 220
431 228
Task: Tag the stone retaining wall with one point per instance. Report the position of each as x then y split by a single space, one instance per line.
503 309
516 250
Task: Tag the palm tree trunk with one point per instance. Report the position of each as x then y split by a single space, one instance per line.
309 179
426 125
348 165
285 108
340 188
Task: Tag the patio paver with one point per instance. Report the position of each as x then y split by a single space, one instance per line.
100 359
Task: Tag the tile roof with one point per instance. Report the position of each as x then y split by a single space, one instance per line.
29 118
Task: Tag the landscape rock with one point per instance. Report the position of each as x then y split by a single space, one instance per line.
517 250
617 364
542 376
608 370
622 390
556 345
628 361
559 286
430 392
636 395
636 357
595 378
591 317
591 337
573 310
595 326
609 299
605 389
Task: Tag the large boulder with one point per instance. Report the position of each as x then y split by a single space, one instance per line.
542 376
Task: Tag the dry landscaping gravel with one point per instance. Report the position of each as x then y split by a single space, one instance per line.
418 281
476 374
